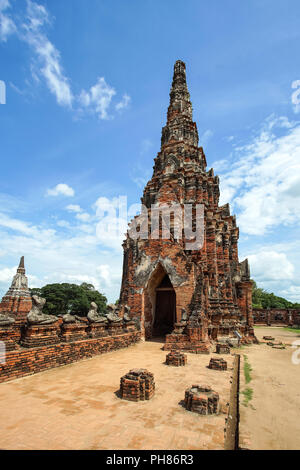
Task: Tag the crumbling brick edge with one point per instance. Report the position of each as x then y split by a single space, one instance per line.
233 418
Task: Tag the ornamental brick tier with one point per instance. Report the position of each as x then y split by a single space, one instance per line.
201 400
137 385
17 301
176 358
189 296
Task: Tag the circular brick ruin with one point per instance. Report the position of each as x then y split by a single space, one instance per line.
176 358
217 364
222 348
137 385
202 400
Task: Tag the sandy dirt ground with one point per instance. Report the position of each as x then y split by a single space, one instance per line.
271 420
76 406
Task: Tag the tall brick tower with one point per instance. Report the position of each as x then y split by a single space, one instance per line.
190 295
17 301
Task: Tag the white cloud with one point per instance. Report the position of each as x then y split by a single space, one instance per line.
61 189
47 63
97 100
271 266
124 103
48 56
6 275
263 182
205 137
7 25
74 208
84 217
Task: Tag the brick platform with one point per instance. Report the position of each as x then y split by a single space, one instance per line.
23 361
176 358
41 335
201 400
222 348
137 385
73 331
217 364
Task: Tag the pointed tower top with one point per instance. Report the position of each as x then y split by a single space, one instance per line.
180 103
21 268
180 125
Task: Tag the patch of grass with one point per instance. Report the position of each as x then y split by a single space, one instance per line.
248 394
292 330
247 370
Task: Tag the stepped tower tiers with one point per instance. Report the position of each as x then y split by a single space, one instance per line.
17 301
191 295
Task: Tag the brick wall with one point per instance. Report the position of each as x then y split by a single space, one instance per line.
273 316
27 361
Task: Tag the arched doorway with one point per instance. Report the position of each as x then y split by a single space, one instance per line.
165 308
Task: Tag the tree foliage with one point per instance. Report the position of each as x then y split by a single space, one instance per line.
72 298
263 299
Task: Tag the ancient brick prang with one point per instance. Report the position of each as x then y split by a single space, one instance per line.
17 301
202 400
191 293
217 364
137 385
176 358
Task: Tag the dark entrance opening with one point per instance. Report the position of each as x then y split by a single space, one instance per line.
165 308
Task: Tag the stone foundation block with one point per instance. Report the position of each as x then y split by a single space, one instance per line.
176 358
137 385
217 364
202 400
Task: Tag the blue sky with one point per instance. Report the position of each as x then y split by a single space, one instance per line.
87 90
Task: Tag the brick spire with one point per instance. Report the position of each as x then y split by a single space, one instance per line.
180 125
21 268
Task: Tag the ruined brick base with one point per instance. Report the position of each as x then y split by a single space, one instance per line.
73 331
96 330
201 400
222 348
137 385
217 364
9 336
183 342
41 335
176 358
23 362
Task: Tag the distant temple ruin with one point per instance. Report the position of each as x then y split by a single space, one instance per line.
17 301
192 296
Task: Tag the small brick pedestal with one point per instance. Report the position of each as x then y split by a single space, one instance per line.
202 400
73 331
115 329
217 364
41 335
9 336
97 330
137 385
222 348
176 358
